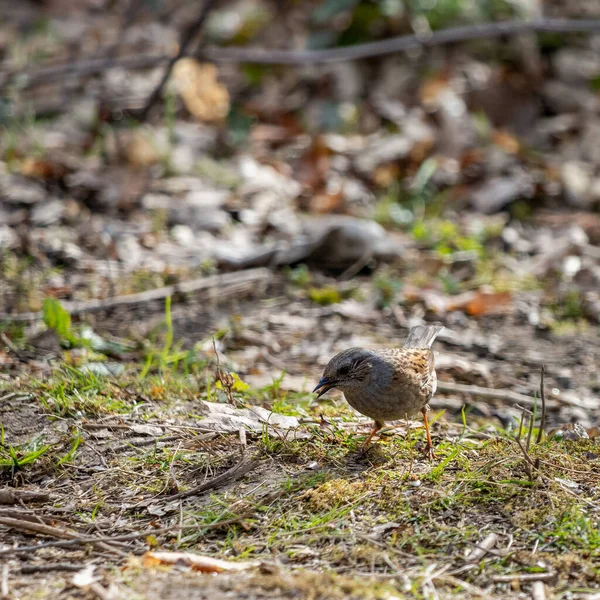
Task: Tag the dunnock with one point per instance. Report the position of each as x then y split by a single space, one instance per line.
387 384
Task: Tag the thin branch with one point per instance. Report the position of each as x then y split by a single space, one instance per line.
130 537
543 397
10 496
227 284
404 43
474 390
186 39
237 471
43 529
523 577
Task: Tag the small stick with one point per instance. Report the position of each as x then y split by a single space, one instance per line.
145 442
482 549
524 577
474 390
10 496
119 538
192 31
30 569
543 397
403 43
228 283
237 471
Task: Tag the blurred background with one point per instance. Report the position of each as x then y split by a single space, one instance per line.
310 201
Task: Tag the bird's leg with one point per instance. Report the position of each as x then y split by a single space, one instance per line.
377 425
429 450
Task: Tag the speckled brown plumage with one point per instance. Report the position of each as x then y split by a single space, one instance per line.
387 384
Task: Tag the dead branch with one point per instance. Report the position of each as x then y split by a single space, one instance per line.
43 529
494 394
504 395
43 568
228 283
543 397
239 470
10 496
404 43
523 577
82 541
191 32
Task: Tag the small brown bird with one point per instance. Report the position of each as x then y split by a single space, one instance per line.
387 384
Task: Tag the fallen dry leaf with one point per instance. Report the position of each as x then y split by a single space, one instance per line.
484 303
197 562
200 90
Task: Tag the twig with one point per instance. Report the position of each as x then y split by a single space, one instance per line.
82 541
239 470
482 549
401 43
43 529
186 39
144 442
29 569
543 398
523 577
505 395
228 283
10 496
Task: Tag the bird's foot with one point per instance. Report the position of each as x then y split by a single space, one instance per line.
429 453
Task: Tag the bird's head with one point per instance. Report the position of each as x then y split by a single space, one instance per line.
348 370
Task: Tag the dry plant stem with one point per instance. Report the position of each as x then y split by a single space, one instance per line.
30 569
402 43
142 443
543 398
229 283
186 39
239 470
523 577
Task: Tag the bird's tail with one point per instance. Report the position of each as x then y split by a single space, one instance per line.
422 336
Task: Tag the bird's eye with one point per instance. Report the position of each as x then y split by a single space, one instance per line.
344 370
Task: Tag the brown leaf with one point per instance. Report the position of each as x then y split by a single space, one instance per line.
489 304
200 90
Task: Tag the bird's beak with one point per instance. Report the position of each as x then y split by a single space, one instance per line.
324 386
